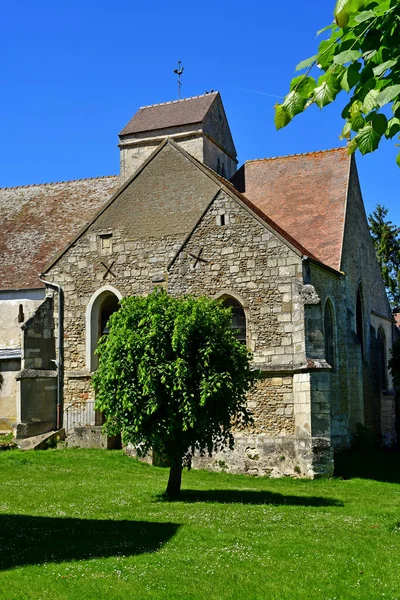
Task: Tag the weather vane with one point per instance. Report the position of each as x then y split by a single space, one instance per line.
179 72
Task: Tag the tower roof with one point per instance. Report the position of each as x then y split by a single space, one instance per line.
170 114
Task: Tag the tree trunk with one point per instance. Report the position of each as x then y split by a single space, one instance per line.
174 481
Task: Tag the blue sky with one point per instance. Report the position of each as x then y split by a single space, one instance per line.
74 73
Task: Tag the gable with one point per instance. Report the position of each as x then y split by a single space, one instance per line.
165 198
359 260
216 127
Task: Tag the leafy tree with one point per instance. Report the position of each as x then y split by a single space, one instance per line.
386 237
172 377
362 57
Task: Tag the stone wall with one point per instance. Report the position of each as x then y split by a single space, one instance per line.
38 377
135 149
38 344
243 259
15 308
38 392
144 227
232 253
8 394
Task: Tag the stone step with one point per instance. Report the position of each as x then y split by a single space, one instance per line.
42 441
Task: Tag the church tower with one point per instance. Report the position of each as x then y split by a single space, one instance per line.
198 124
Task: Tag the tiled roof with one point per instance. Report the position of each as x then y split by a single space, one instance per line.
170 114
305 195
37 221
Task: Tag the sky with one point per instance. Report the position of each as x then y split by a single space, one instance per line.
74 73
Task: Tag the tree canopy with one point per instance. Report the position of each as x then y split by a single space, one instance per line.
362 57
386 237
173 378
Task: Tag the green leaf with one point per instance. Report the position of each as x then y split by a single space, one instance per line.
351 77
281 117
398 160
369 54
331 26
357 122
294 103
383 67
355 109
388 94
379 123
326 50
303 85
346 131
367 139
352 146
364 16
306 63
324 94
393 127
346 56
370 102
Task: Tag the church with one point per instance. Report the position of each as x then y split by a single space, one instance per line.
283 241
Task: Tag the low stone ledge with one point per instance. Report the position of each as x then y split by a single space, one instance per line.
281 370
77 374
36 373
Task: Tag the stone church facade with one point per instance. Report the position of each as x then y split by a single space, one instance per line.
283 241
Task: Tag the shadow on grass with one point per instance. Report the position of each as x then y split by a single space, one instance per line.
27 540
249 497
379 465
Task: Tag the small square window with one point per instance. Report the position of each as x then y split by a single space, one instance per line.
105 243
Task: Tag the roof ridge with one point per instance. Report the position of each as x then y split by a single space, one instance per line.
213 93
298 154
30 185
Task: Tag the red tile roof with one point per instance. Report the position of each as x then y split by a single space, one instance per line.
170 114
305 195
37 221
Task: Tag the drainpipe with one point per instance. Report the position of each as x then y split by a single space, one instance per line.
60 362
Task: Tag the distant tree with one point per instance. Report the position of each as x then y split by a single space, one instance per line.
394 364
386 237
362 57
173 378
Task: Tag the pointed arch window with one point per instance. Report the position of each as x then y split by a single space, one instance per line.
98 312
238 318
329 333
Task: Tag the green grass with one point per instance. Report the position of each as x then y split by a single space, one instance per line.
87 524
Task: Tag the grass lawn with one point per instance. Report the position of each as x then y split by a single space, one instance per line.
90 524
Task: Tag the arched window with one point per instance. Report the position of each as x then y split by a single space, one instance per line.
329 334
382 359
21 316
99 310
360 320
238 318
